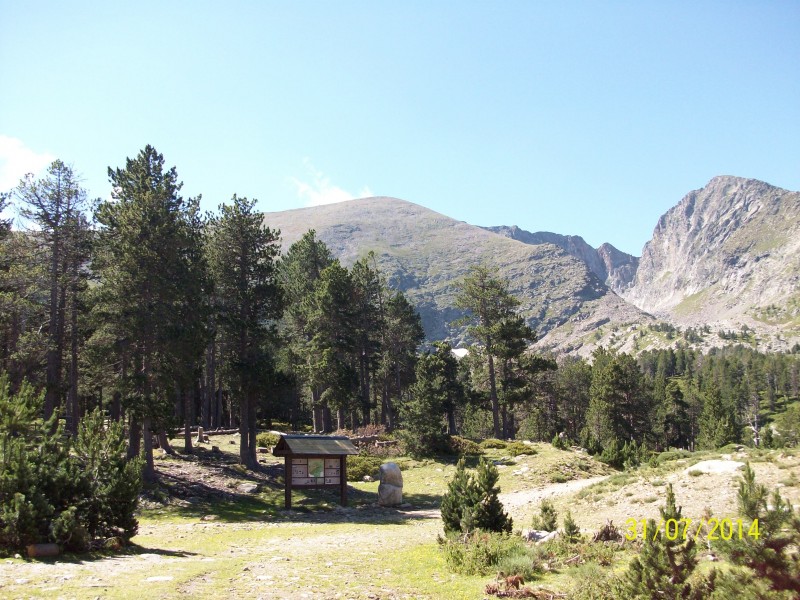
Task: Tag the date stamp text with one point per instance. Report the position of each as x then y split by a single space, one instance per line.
710 529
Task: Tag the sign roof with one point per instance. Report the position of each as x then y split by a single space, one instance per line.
327 445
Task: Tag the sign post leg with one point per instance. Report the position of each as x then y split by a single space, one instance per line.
343 480
287 482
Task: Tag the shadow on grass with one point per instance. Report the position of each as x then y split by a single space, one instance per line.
183 492
99 555
311 506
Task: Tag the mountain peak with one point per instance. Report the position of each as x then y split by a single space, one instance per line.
723 254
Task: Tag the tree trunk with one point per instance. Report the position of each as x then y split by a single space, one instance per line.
493 398
387 415
73 410
327 425
365 380
163 443
210 387
316 411
451 419
116 405
340 421
244 431
51 377
252 426
134 437
187 424
149 471
353 419
294 409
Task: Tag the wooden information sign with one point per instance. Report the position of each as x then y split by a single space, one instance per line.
314 461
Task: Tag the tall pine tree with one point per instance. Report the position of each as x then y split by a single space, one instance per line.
242 255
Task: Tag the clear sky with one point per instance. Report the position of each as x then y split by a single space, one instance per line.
588 118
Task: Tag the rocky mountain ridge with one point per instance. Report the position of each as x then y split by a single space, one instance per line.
614 267
726 254
724 258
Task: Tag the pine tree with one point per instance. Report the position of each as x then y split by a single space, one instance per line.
772 529
422 414
547 519
142 263
490 307
401 337
299 272
572 533
663 567
717 422
69 491
242 255
488 513
472 503
458 497
54 203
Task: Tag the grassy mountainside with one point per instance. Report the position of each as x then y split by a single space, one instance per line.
424 254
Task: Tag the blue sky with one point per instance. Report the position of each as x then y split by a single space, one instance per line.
587 118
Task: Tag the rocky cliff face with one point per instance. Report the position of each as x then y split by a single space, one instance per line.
614 267
728 253
620 266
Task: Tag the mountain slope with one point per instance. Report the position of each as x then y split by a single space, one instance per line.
727 254
424 254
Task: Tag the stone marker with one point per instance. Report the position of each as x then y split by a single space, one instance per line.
390 491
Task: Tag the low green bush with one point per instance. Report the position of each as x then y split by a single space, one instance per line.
493 443
361 465
669 455
517 448
265 439
483 553
562 443
463 447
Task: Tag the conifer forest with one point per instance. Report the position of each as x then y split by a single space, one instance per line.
128 322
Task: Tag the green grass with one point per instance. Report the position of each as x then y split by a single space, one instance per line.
252 547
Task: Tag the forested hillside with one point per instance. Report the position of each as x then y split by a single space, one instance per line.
143 313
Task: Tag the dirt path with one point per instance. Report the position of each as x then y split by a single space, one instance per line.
362 553
521 499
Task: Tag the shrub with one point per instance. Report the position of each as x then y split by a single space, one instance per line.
54 489
362 465
562 443
517 448
625 456
483 553
669 455
493 443
463 447
547 519
266 439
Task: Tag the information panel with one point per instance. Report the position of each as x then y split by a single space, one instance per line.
307 472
